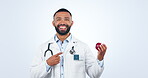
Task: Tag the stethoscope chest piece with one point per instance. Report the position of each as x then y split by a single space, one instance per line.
72 51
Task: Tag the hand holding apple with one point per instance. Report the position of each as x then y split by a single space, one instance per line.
101 50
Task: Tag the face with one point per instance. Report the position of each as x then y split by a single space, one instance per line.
62 22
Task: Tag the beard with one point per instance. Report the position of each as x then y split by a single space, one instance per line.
62 32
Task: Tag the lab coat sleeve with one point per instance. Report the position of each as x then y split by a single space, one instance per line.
47 67
101 63
91 65
38 67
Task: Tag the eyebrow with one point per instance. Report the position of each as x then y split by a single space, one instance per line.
58 17
67 17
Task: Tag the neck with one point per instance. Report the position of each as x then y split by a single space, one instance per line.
62 37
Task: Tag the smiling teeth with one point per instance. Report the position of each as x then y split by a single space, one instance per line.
62 27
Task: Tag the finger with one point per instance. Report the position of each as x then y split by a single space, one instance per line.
101 48
57 61
105 46
57 58
58 54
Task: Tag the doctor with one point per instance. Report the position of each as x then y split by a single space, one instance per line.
64 56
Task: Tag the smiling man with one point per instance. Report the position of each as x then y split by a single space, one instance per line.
64 56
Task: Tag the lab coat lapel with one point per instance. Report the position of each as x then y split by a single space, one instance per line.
70 44
54 46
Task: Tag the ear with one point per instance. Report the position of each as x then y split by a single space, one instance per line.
53 23
72 23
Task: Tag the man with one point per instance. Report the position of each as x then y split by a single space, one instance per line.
64 56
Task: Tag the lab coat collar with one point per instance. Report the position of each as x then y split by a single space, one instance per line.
68 39
72 40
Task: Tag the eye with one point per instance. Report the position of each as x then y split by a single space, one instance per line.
58 19
66 19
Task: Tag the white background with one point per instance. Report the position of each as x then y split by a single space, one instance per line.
121 24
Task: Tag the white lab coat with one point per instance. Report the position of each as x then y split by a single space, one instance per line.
87 63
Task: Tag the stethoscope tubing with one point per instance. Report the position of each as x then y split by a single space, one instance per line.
48 49
72 51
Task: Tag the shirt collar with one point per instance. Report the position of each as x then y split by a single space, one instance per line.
68 39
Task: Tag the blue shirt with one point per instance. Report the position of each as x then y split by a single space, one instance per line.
62 46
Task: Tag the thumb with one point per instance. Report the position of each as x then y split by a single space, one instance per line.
58 54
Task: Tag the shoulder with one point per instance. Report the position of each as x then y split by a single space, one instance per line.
79 42
45 44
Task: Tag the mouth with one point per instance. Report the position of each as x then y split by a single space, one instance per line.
62 28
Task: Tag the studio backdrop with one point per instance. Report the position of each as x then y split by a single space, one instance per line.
121 24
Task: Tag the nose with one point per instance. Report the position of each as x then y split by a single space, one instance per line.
62 22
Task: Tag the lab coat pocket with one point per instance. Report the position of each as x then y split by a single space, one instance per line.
78 63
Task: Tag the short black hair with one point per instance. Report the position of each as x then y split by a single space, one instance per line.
62 10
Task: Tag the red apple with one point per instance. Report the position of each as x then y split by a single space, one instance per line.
98 45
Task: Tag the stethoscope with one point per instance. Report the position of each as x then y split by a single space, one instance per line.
48 49
72 51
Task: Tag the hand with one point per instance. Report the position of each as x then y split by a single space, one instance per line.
53 60
101 52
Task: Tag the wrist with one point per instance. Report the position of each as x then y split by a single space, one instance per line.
100 58
48 62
